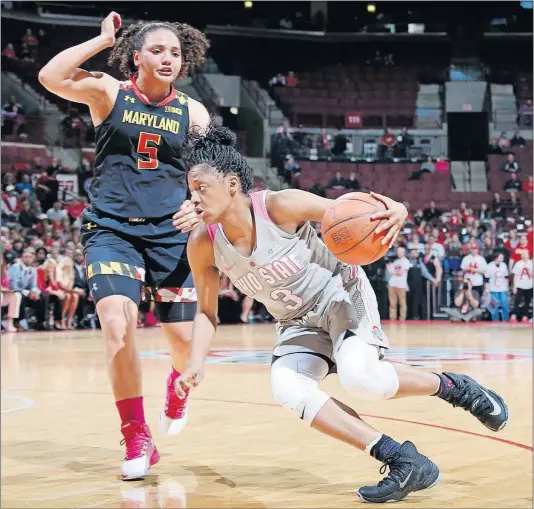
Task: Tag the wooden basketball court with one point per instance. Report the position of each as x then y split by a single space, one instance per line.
60 429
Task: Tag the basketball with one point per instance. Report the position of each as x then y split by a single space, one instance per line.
348 231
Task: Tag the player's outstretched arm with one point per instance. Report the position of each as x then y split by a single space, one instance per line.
62 76
297 206
206 278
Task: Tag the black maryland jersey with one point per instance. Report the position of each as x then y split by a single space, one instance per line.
138 170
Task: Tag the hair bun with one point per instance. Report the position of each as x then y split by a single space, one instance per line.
221 136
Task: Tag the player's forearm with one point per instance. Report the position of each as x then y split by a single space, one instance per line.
204 328
65 63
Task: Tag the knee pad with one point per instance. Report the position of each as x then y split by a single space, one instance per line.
295 384
362 374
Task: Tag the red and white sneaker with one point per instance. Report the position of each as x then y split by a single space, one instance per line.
174 417
141 453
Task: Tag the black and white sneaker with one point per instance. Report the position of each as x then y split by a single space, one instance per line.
464 392
408 471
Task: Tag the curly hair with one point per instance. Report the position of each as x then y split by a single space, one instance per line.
192 42
216 148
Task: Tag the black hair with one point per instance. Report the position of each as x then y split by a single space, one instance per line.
193 44
216 148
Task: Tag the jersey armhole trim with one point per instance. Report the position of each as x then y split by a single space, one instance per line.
212 231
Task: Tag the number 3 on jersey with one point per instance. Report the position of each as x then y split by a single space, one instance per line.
150 151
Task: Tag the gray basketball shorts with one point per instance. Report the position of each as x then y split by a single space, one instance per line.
346 307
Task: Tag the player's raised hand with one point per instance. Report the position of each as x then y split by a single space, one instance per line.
110 26
188 380
186 219
395 214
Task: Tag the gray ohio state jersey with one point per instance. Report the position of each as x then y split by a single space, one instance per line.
286 272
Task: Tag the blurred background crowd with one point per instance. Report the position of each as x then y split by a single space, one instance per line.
428 105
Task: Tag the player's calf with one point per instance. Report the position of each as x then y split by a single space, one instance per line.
464 392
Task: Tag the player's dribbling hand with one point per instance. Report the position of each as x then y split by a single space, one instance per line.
188 380
395 214
186 219
110 26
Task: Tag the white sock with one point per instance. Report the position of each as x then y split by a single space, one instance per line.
372 444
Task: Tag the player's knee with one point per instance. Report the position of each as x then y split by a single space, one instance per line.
362 374
296 392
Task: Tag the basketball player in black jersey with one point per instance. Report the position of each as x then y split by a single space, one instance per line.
139 183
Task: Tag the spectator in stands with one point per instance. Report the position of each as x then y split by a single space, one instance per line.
467 304
81 286
56 213
40 255
517 140
417 275
517 252
513 240
488 248
427 167
388 61
318 189
436 247
324 141
85 175
431 213
291 168
500 144
525 114
442 165
8 298
26 183
497 275
522 288
66 277
474 267
353 183
75 209
8 179
74 128
528 185
484 214
9 52
278 81
13 206
48 284
26 54
13 118
27 217
340 143
415 244
55 167
510 165
291 80
404 142
387 143
29 38
47 188
44 40
22 278
338 182
513 184
398 284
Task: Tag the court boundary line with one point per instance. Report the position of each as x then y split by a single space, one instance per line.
26 403
394 419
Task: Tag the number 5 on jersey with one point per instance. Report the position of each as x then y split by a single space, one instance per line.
149 151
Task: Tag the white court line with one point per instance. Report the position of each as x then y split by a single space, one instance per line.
26 403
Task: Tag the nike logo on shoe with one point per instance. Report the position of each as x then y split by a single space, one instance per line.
403 483
497 409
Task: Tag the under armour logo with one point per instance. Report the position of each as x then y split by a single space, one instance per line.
94 287
129 98
90 226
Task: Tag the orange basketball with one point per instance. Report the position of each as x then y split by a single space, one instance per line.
348 232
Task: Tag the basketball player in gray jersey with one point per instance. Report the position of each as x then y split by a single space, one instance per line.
326 311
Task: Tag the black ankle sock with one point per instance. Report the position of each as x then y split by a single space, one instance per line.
384 448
